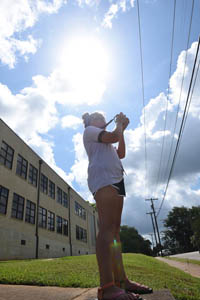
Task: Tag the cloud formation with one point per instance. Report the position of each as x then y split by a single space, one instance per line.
115 8
16 17
184 184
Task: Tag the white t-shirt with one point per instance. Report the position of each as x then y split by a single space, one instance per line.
104 167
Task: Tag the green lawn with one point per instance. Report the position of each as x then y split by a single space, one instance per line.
81 271
185 260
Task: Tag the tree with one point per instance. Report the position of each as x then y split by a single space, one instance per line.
180 229
132 242
195 239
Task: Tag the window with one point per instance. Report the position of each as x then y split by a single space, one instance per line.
6 155
59 224
42 217
65 227
81 234
51 189
65 200
51 221
3 199
33 175
30 212
22 165
17 207
44 184
80 211
59 195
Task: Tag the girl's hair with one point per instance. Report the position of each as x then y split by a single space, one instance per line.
87 118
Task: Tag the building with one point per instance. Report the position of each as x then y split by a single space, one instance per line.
40 214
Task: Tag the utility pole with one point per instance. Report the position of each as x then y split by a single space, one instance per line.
155 219
151 213
151 234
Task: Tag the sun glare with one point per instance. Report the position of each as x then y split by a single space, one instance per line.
85 61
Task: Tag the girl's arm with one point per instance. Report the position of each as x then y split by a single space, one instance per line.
121 151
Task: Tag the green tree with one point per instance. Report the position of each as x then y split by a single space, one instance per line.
132 242
195 239
177 237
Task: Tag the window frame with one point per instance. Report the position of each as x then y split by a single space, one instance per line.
4 160
21 168
15 211
33 175
44 184
50 224
65 199
5 198
59 199
52 189
59 225
28 217
42 217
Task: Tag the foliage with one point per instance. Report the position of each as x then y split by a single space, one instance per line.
182 234
82 271
132 242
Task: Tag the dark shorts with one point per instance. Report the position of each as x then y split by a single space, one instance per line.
119 186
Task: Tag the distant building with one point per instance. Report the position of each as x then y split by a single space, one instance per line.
40 214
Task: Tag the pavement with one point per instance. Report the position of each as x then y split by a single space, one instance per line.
187 267
189 255
23 292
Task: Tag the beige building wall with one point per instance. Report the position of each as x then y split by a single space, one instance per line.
15 232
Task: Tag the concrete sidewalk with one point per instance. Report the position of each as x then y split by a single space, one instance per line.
25 292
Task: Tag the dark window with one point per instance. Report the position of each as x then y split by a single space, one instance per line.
6 155
51 221
17 207
65 227
33 174
44 184
23 242
3 199
80 211
30 212
81 234
51 189
42 217
22 165
47 246
59 224
59 195
65 200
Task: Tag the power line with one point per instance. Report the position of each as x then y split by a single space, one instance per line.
143 100
187 104
166 111
178 107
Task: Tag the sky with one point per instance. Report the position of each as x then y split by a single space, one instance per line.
60 59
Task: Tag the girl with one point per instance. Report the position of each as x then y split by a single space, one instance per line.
105 181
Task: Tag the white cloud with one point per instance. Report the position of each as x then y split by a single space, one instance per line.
71 121
114 9
17 16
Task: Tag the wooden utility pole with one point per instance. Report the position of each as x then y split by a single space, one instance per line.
155 236
155 219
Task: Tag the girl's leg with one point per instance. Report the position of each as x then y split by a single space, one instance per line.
107 201
107 206
117 261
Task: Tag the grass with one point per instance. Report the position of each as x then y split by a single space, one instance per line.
82 271
185 260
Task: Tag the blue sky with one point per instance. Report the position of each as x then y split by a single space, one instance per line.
63 58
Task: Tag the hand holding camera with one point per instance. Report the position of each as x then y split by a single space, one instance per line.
121 119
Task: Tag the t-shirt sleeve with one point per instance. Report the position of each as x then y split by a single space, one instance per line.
92 134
